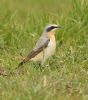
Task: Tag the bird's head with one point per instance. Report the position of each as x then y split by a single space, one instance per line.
52 28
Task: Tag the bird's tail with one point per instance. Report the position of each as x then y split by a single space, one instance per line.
23 62
20 64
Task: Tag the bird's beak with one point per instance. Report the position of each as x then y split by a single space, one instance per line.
59 27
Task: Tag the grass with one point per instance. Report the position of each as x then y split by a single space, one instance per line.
21 24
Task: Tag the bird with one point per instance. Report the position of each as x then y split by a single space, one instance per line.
45 46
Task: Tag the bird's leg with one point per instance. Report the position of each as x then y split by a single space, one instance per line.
43 60
41 66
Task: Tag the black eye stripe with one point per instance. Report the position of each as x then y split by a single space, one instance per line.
50 28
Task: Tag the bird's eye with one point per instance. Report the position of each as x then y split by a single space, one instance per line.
50 28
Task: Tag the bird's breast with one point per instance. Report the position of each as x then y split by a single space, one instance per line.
50 50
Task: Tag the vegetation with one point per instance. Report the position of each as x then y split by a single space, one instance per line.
65 76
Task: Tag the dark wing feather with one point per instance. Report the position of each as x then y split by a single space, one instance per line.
34 52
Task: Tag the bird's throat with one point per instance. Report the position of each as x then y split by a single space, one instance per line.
51 35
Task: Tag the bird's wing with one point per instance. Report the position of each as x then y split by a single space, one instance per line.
40 45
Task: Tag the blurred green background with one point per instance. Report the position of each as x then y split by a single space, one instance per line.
21 24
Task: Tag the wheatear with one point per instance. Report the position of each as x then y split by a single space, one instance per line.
45 47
